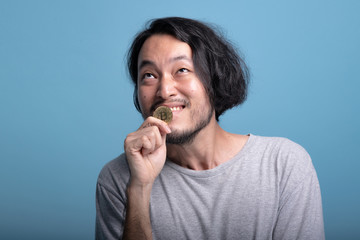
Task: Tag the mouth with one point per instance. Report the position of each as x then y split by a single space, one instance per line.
176 105
177 108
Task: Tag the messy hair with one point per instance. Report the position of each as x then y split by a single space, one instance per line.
223 73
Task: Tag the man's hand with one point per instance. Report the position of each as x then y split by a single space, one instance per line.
146 151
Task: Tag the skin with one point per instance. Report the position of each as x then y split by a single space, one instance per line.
167 77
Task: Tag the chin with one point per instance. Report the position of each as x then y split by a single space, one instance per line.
180 139
183 137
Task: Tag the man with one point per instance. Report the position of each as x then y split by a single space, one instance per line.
190 179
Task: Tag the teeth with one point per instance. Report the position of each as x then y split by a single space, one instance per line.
175 109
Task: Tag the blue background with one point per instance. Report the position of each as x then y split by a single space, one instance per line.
66 99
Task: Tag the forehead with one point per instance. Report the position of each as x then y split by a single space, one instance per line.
163 47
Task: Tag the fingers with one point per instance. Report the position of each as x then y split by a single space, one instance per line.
146 150
151 121
151 140
149 137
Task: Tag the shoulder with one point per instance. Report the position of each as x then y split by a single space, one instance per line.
289 162
279 147
276 143
287 157
115 174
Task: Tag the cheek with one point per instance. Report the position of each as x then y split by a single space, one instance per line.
143 99
193 87
196 89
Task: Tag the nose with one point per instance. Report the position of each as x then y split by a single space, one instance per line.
167 87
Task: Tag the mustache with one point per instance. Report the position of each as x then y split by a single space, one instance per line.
178 100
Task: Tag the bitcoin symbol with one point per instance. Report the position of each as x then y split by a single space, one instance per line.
163 113
163 116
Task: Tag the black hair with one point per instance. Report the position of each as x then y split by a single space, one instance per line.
223 73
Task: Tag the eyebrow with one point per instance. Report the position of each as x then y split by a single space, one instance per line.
144 63
181 57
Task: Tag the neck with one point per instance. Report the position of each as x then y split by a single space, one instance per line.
211 147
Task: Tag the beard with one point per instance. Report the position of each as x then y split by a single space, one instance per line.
187 136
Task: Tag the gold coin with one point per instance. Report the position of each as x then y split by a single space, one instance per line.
163 113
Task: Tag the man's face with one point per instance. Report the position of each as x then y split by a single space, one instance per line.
166 77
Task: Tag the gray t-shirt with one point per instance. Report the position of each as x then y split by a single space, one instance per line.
269 190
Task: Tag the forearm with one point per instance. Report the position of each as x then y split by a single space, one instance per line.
137 222
146 154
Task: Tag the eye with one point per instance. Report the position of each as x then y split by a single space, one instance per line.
148 76
183 70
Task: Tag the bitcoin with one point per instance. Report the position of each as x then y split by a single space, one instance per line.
163 113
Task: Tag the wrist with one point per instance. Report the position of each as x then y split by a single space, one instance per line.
139 188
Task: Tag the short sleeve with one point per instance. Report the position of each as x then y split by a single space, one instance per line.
111 200
300 213
110 214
